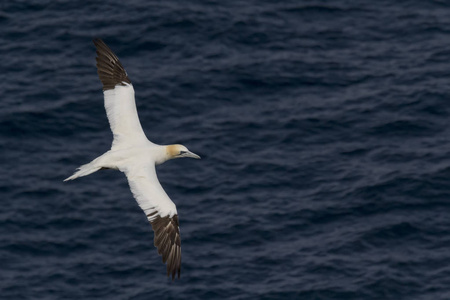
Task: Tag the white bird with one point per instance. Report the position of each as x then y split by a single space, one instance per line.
132 153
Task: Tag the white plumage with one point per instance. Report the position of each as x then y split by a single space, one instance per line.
120 107
148 192
132 153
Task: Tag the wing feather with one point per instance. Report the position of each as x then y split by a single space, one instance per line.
161 213
110 70
120 104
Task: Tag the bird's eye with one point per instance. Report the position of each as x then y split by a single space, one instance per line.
182 152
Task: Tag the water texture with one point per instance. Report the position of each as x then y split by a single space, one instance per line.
324 132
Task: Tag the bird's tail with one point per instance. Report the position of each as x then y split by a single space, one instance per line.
85 170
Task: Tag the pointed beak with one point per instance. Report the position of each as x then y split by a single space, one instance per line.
191 154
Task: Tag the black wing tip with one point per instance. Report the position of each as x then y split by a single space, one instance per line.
174 274
167 241
97 40
103 49
109 68
174 270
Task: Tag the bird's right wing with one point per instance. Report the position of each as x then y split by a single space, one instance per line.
160 211
119 98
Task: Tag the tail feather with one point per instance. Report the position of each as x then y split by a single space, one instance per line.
84 170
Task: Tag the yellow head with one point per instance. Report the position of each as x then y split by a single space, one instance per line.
177 151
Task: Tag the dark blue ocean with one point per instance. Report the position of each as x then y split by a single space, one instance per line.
323 126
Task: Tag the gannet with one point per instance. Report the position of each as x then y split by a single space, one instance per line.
133 154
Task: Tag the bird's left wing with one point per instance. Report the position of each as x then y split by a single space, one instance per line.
118 92
160 211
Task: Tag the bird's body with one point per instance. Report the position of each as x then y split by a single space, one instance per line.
133 154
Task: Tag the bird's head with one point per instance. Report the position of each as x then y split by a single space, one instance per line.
177 151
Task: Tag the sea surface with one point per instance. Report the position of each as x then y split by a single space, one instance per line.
324 128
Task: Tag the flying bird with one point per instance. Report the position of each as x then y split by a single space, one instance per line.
133 154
